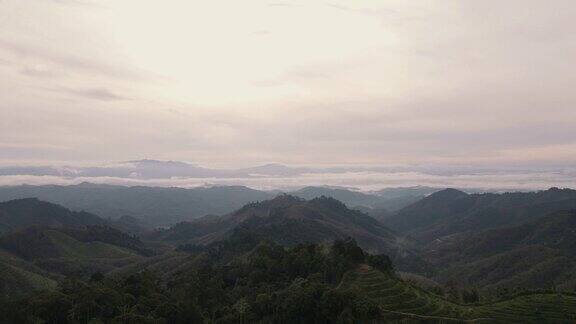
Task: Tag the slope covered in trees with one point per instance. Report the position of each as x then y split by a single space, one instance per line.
21 213
245 280
537 254
159 206
153 205
451 211
259 282
289 220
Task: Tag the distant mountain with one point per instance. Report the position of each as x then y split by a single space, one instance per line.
142 169
400 192
378 204
22 213
130 225
537 254
154 169
348 197
153 205
159 206
451 211
290 220
272 169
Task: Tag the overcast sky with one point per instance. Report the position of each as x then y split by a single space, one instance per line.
236 83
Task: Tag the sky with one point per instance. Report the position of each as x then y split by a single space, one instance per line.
240 83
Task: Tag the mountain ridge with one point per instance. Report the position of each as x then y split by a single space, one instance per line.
450 212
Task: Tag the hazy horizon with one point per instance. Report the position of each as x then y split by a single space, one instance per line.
237 84
284 177
287 161
370 94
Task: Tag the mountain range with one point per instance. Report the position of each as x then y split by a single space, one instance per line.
290 220
537 254
158 206
450 240
452 211
156 169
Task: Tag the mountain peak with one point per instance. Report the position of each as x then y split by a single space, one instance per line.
448 193
285 199
150 162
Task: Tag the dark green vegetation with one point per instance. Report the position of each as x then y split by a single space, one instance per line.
400 301
480 258
495 242
289 220
22 213
451 211
37 256
239 280
538 254
44 243
244 280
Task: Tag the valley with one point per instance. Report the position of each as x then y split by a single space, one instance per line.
448 257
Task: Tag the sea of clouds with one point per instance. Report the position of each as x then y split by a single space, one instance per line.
269 177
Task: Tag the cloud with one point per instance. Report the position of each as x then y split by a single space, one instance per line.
93 93
80 3
71 63
282 4
365 181
364 82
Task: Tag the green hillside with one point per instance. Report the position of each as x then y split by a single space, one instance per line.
396 297
19 277
76 253
289 221
532 308
401 301
17 281
68 247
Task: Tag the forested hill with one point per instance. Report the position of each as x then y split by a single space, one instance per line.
285 260
160 206
22 213
289 221
153 205
537 254
244 280
452 211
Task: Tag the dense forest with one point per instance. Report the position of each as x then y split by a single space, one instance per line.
292 260
240 280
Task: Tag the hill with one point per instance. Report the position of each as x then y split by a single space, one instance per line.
402 302
22 213
396 198
537 254
19 277
159 206
242 279
349 197
153 205
451 211
289 220
74 251
378 204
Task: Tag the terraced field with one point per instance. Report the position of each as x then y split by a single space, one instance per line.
404 303
400 300
535 308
